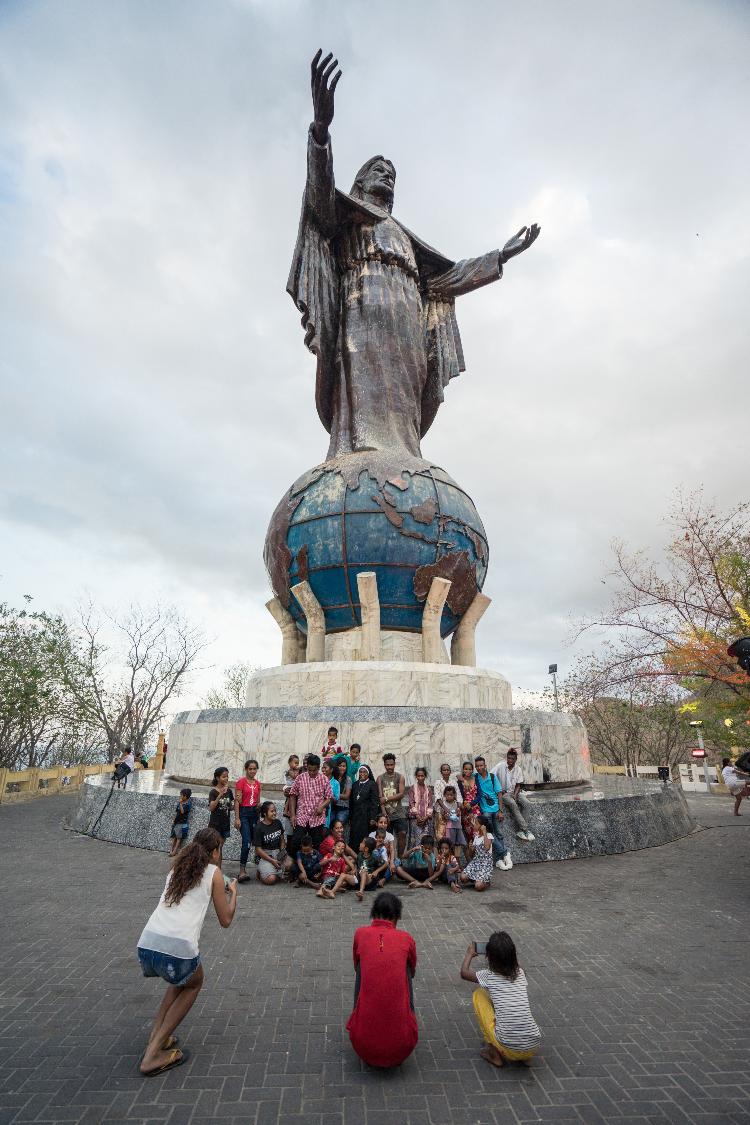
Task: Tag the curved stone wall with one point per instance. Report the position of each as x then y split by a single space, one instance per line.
615 815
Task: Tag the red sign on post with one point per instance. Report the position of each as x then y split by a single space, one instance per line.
697 752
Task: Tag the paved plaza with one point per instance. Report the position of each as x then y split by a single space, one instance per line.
638 970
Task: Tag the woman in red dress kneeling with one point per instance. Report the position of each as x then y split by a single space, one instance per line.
383 1027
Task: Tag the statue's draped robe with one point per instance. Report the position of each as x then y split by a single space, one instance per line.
378 309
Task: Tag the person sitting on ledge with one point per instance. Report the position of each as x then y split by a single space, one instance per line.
502 1003
383 1027
508 773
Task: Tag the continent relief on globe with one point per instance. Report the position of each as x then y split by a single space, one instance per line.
399 516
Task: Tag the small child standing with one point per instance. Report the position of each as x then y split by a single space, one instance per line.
502 1003
371 868
336 870
448 869
181 822
450 813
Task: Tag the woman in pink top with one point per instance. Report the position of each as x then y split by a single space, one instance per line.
246 812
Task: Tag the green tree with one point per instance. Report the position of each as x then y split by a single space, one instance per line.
41 723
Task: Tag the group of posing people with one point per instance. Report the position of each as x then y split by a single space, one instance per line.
383 1025
342 828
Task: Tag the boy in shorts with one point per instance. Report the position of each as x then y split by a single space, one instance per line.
180 824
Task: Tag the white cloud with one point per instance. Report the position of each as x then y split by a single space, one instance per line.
156 396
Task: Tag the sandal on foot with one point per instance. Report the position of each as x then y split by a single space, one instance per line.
177 1058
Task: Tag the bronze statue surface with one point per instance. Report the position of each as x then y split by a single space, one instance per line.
377 303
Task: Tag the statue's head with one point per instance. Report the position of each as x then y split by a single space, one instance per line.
375 180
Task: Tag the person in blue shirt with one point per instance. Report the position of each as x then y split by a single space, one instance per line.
488 796
327 768
352 761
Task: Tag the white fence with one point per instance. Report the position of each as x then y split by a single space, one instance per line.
692 777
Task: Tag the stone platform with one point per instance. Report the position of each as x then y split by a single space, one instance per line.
425 714
614 815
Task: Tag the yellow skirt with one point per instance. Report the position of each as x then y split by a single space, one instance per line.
486 1018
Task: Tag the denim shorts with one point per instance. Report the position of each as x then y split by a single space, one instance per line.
180 831
174 970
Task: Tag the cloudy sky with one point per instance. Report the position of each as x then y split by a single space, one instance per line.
156 395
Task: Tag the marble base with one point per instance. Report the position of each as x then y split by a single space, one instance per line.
614 815
425 714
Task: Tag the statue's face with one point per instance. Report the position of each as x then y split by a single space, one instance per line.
380 181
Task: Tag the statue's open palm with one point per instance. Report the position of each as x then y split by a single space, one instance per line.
521 241
322 93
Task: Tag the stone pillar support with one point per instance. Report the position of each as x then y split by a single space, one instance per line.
433 651
367 586
316 622
289 631
463 644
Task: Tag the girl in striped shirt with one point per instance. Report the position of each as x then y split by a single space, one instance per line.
502 1003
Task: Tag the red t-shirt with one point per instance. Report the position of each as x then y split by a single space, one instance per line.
333 866
248 792
383 1028
326 847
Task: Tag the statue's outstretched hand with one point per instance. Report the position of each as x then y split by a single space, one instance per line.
520 242
322 94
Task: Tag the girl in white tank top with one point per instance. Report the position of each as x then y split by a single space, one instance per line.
169 944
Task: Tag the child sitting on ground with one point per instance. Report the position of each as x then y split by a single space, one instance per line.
390 842
418 867
502 1003
181 822
337 871
371 868
308 863
381 852
448 867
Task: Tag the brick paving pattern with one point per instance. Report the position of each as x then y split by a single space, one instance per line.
638 970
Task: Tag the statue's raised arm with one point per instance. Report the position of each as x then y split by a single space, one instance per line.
322 94
377 303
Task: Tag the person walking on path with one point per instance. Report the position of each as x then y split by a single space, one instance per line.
383 1027
488 795
737 782
508 773
502 1003
246 811
363 808
169 944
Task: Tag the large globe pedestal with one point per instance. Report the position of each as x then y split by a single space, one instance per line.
374 559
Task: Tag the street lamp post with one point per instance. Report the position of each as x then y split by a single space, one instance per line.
553 673
698 723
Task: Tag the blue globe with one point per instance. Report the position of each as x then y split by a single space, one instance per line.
397 515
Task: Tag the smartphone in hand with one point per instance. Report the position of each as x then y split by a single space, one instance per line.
480 947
